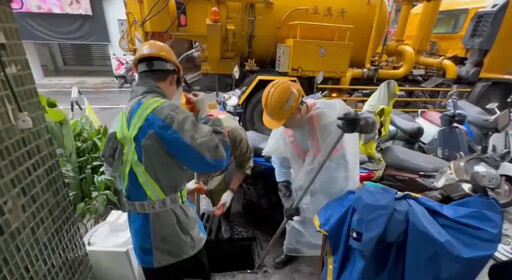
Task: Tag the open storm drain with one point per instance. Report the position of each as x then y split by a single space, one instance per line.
228 247
235 254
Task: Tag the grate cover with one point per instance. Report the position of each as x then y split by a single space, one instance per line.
39 238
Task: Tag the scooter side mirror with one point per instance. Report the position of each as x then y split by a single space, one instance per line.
319 78
236 72
493 106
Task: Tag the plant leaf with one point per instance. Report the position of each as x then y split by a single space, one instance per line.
111 196
80 208
102 199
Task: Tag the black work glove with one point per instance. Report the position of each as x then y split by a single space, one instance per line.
291 212
363 123
350 122
284 189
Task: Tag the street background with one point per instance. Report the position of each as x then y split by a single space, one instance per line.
101 92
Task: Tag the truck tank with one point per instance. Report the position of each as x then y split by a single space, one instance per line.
253 29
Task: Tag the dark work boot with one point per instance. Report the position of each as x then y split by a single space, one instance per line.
282 261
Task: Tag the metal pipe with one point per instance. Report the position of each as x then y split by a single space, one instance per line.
402 88
450 69
369 53
217 86
402 20
354 73
185 55
408 59
426 24
197 198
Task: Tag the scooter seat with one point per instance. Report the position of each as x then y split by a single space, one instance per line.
477 116
406 124
435 118
257 141
398 157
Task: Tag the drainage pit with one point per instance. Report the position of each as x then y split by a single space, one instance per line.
230 255
229 247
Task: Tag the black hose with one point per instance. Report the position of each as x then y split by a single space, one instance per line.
177 16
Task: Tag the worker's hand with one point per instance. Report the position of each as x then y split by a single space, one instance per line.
224 202
196 103
291 212
350 122
284 190
195 187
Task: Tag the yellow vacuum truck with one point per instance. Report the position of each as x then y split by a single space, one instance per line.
474 35
252 42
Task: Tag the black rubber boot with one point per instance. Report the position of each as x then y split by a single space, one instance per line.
282 261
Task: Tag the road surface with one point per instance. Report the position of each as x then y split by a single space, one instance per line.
107 102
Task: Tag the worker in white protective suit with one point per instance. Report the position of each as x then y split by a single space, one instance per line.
303 132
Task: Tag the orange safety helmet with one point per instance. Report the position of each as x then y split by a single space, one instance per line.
280 99
160 50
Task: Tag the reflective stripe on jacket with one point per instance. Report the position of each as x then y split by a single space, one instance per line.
171 144
314 141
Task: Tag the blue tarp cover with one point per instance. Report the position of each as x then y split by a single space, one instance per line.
376 233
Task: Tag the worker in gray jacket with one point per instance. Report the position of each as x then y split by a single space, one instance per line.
156 146
222 186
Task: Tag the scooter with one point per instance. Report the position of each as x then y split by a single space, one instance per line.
485 131
465 130
407 169
411 171
124 73
448 139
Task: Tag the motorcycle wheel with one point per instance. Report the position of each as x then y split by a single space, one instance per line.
120 82
503 194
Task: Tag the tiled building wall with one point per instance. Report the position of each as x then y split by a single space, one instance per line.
39 238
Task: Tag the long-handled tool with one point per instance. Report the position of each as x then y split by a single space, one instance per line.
297 202
197 198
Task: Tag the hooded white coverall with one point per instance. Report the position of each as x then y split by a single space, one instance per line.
297 155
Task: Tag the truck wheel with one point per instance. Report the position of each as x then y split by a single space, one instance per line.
253 115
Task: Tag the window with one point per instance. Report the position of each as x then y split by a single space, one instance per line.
450 22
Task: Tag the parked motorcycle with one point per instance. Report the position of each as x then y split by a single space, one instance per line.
411 171
414 171
464 131
124 73
487 132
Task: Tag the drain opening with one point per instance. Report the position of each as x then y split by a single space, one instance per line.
230 255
